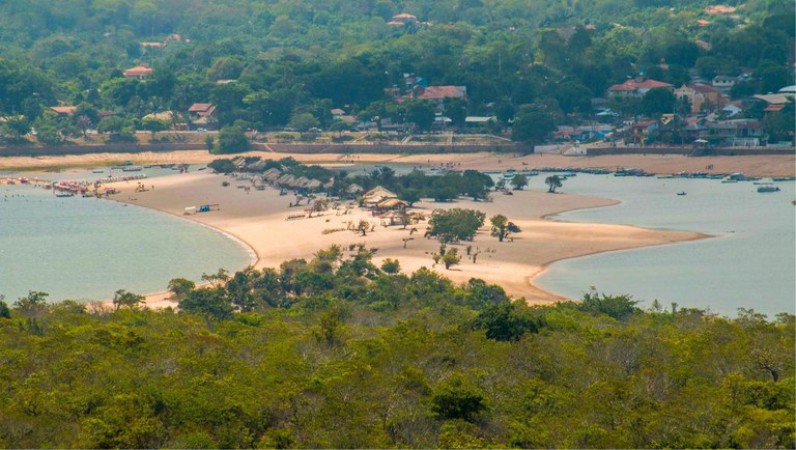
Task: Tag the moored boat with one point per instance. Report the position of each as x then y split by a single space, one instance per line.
767 188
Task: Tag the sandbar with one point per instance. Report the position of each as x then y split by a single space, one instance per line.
751 165
260 220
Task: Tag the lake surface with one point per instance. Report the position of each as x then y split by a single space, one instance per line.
750 263
85 249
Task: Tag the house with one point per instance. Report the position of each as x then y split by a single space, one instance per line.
701 97
337 113
404 18
153 44
582 133
724 82
138 72
479 122
166 116
733 109
438 94
202 114
64 110
720 9
636 88
737 132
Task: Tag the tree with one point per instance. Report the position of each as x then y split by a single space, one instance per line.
409 195
124 299
303 122
391 266
47 132
180 287
420 113
532 126
507 321
450 257
5 312
456 110
210 142
17 126
617 306
553 182
154 125
208 302
658 101
501 227
457 402
455 224
519 181
231 139
33 303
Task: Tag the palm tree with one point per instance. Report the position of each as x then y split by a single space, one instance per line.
553 182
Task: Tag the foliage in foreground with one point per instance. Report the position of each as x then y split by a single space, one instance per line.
334 352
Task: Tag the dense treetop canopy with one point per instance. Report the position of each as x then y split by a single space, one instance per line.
335 353
299 57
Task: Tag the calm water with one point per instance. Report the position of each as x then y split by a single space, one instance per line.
86 249
750 262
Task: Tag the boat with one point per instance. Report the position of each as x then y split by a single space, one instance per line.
65 194
132 169
509 174
681 193
784 178
767 188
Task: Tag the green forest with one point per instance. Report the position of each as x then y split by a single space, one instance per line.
298 59
335 352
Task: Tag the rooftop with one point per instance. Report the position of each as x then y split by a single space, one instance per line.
633 85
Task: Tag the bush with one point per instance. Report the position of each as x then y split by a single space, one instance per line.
455 224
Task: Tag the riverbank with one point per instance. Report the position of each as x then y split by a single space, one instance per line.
263 220
757 166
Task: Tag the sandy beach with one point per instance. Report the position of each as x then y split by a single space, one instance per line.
260 219
758 166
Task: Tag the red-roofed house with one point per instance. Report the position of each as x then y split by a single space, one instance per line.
64 110
138 72
720 9
439 93
202 114
404 17
633 88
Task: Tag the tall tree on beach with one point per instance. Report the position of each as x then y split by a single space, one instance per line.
553 182
501 227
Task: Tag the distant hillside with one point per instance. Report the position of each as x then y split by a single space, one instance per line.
292 57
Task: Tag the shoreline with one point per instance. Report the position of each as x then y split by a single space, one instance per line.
508 265
755 165
263 231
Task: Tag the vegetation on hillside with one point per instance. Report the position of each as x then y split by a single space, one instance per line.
295 60
336 353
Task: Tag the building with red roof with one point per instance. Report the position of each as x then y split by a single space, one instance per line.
439 93
634 88
138 72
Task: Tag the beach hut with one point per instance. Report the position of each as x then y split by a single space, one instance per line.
272 174
390 205
379 191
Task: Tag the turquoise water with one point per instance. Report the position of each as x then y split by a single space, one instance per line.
85 249
750 262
